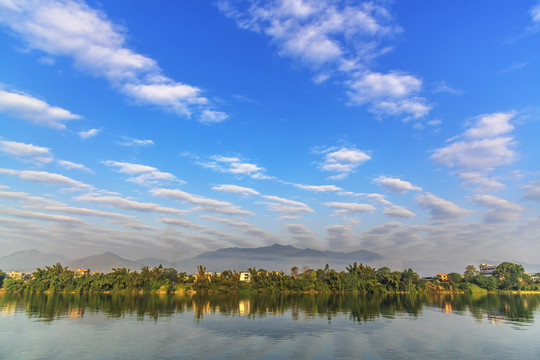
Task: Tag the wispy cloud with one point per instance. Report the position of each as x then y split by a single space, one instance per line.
88 133
47 178
42 204
535 16
440 209
501 210
240 226
339 40
36 154
396 185
343 161
232 165
71 165
97 45
342 208
26 107
142 174
235 189
127 141
443 87
483 146
319 188
67 220
302 235
532 191
286 206
398 212
204 204
126 204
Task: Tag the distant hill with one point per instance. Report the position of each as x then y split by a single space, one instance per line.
29 260
103 263
153 262
275 257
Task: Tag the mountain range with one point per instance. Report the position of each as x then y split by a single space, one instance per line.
275 257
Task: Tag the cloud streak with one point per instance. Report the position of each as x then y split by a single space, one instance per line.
340 40
26 107
96 45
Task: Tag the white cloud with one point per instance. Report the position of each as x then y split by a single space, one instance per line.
71 165
135 142
240 226
378 199
144 175
480 181
398 212
302 235
340 236
210 116
126 204
535 13
396 185
181 223
443 87
342 161
482 145
532 191
235 189
234 165
42 204
34 110
73 29
440 209
37 154
391 94
478 154
89 133
319 188
383 229
289 217
501 210
40 216
491 125
47 178
287 206
349 208
205 204
336 40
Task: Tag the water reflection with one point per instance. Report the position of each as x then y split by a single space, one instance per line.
495 308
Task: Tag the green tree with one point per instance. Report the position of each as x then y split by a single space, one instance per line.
510 275
470 272
454 278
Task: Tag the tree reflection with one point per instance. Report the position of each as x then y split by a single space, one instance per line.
496 308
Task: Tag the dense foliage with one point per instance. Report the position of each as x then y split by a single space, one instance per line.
357 278
57 278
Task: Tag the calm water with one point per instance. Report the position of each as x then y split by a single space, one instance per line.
71 326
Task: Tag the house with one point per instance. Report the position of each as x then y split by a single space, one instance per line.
245 276
17 275
487 269
443 277
81 272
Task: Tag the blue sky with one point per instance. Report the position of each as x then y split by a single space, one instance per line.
405 128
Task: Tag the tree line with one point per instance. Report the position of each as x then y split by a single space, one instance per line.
357 278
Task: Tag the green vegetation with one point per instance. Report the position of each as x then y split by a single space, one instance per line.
357 278
57 278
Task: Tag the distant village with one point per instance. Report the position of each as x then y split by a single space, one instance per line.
245 276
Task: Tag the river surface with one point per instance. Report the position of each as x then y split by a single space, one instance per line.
72 326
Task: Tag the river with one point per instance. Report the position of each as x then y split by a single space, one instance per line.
320 326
